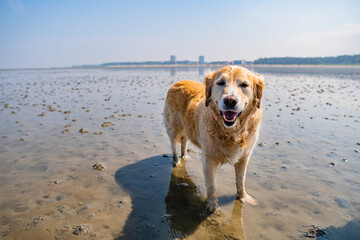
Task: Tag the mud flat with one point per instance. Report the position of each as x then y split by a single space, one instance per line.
84 155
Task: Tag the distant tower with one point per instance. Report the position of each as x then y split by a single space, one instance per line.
201 60
173 59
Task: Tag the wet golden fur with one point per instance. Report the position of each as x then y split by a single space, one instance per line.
192 113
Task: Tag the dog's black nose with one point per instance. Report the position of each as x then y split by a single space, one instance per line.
230 102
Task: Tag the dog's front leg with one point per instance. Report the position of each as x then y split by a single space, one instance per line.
209 167
240 172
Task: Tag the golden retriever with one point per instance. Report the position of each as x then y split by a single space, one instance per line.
222 117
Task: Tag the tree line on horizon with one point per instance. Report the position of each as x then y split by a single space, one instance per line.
339 60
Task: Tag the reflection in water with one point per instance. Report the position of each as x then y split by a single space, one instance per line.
201 71
183 205
172 71
187 214
164 211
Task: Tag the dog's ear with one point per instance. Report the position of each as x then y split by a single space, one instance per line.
259 86
208 86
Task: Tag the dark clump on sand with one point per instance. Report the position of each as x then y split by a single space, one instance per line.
99 166
107 124
315 231
82 131
83 229
65 131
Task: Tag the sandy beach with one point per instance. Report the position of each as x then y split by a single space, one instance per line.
56 124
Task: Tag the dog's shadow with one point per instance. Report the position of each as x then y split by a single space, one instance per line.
166 204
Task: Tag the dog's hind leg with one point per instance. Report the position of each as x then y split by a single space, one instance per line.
174 137
173 142
184 142
171 124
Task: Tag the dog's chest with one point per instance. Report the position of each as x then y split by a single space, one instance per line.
236 155
231 153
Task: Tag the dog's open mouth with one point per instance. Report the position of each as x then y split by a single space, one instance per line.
229 117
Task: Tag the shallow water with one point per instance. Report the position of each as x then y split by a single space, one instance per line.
305 173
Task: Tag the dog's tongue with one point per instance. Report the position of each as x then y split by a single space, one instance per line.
230 115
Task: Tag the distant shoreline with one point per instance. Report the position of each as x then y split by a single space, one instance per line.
222 65
190 66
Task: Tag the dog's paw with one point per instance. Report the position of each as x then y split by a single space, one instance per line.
186 157
212 205
177 163
248 199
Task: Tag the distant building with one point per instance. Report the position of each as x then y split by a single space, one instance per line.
201 59
173 59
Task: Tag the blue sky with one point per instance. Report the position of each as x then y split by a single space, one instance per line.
64 33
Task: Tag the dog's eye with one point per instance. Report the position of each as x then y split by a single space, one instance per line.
244 85
221 82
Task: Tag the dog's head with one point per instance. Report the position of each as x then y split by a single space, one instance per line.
233 90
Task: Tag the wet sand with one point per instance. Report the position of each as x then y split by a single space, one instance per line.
57 124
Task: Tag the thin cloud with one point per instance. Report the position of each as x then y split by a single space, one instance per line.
345 31
342 40
93 40
17 6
